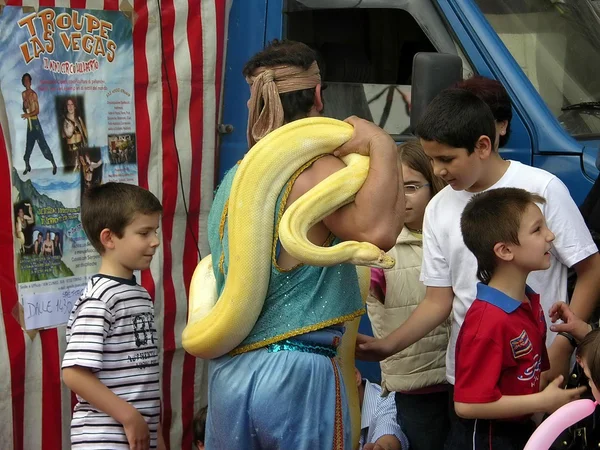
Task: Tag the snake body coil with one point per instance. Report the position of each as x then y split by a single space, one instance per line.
217 326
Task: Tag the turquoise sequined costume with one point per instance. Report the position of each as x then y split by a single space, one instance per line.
282 388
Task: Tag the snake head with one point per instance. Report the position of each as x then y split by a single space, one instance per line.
385 261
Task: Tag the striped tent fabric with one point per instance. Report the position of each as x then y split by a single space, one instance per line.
177 99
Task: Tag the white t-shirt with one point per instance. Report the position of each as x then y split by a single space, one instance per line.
448 263
111 331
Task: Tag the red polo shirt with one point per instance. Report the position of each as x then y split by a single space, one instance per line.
501 347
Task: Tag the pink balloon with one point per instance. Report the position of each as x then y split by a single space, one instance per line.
560 420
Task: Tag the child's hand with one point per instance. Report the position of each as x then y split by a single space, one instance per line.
370 349
555 396
136 430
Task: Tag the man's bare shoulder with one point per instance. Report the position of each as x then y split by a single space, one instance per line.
317 172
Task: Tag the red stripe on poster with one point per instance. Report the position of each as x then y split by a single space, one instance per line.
169 200
51 391
15 340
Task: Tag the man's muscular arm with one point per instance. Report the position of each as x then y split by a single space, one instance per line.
377 213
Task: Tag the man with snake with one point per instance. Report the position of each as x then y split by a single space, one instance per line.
281 388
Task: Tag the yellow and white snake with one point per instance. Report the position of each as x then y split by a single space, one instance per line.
218 325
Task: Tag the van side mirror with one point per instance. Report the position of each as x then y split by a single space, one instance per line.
431 74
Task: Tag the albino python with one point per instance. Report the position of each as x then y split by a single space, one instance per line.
218 325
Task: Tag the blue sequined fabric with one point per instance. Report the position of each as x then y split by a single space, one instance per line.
289 345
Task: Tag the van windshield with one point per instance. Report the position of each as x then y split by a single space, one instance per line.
557 44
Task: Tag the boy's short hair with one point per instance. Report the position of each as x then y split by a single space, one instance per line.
23 78
493 93
589 351
457 118
114 206
490 217
199 425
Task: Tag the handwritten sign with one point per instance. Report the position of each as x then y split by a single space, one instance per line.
49 309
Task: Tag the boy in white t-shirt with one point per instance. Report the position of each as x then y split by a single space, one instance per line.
458 134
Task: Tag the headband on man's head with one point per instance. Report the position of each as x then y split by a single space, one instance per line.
265 109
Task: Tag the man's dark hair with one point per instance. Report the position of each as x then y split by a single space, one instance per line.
199 425
23 78
457 118
114 206
295 104
493 93
491 217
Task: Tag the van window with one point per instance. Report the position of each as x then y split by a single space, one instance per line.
366 59
557 44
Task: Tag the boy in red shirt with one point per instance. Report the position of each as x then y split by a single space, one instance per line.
501 351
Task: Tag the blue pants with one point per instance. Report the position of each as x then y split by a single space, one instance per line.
36 134
268 399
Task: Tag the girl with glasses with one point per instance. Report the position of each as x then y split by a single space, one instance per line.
416 375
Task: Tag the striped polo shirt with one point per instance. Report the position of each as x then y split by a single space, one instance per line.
111 332
378 417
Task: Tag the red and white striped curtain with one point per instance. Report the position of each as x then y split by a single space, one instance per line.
177 100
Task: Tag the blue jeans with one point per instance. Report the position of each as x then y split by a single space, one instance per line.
424 418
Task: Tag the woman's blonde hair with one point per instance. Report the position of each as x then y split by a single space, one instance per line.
411 153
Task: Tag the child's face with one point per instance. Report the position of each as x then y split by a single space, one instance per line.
134 251
415 202
535 241
588 374
455 166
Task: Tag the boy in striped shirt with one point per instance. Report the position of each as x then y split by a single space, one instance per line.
111 360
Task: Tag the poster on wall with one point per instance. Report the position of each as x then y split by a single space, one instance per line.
67 88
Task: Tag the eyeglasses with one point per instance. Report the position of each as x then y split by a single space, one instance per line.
411 189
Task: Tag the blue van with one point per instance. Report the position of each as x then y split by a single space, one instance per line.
545 52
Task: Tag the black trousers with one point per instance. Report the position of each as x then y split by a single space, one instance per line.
479 434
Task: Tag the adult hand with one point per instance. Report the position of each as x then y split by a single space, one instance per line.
367 137
571 323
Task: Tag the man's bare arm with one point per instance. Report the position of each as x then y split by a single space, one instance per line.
377 213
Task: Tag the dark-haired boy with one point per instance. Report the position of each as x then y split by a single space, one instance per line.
500 350
111 360
457 132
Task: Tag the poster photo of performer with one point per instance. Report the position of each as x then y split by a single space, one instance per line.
90 167
31 110
24 221
73 130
